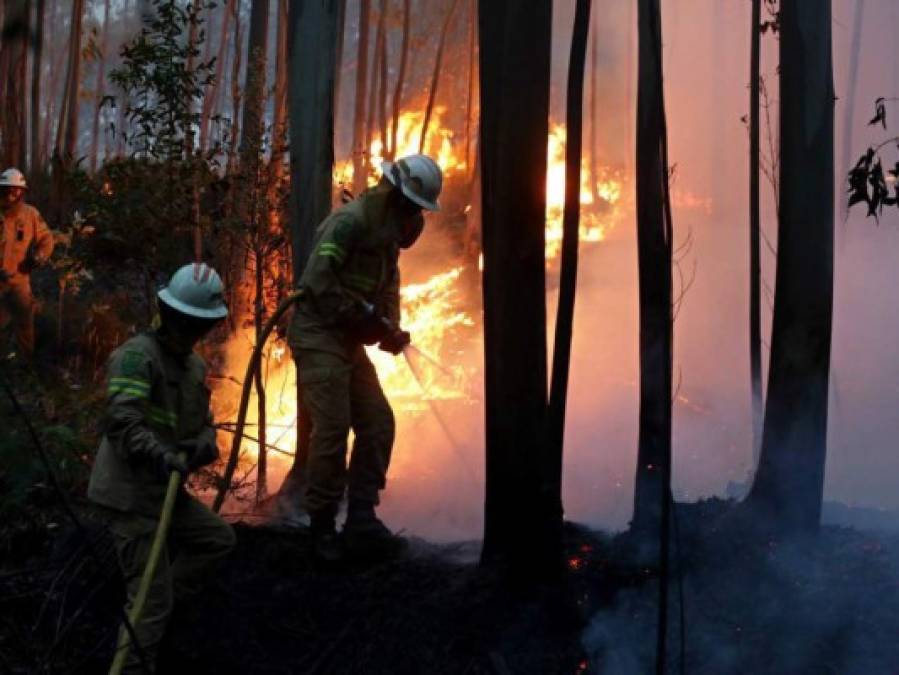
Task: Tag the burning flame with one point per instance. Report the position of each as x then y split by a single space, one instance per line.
600 195
433 311
438 144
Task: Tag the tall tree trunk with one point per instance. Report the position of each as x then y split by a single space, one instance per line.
755 269
313 58
55 68
14 59
849 118
375 84
67 132
101 85
37 159
789 484
472 56
435 78
574 121
382 90
254 83
594 136
212 91
360 151
401 80
236 95
341 37
654 234
279 119
515 70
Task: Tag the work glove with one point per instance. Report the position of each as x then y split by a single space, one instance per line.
395 342
29 262
168 461
372 328
200 452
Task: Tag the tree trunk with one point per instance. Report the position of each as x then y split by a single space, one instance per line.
262 451
341 36
254 83
235 93
374 88
382 90
279 119
515 70
313 58
755 273
855 49
67 132
654 234
594 136
574 120
360 151
101 85
472 56
212 91
789 484
37 159
401 80
435 78
14 59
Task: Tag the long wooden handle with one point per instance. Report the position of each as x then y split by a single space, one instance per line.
162 530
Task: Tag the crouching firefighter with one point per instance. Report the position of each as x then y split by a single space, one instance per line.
351 299
157 420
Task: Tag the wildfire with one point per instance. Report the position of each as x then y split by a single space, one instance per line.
438 144
599 196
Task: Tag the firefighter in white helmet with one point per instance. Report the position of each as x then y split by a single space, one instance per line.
157 420
351 299
25 243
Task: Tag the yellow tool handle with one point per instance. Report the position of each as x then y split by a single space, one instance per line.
162 530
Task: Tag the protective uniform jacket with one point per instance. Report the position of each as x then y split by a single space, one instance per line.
355 260
23 230
155 398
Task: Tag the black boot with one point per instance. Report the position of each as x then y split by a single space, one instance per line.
325 544
365 536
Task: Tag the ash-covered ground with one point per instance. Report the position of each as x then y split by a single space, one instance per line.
825 604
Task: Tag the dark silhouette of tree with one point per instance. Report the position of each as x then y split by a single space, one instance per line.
312 35
574 120
654 251
360 149
755 265
789 483
515 70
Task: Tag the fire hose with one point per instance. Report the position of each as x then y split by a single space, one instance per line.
162 530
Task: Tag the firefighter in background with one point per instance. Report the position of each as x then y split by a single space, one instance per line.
25 244
351 299
157 420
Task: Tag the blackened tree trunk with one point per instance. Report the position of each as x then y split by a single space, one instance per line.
574 120
654 259
852 82
279 119
472 57
755 269
789 484
312 37
36 66
341 37
360 151
101 86
515 67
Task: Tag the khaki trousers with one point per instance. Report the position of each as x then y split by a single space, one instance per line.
197 540
341 395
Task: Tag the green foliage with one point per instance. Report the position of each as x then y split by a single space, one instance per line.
158 82
868 184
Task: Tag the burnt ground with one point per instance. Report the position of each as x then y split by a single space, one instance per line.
828 604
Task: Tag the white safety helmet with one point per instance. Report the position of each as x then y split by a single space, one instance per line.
418 177
196 290
12 177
